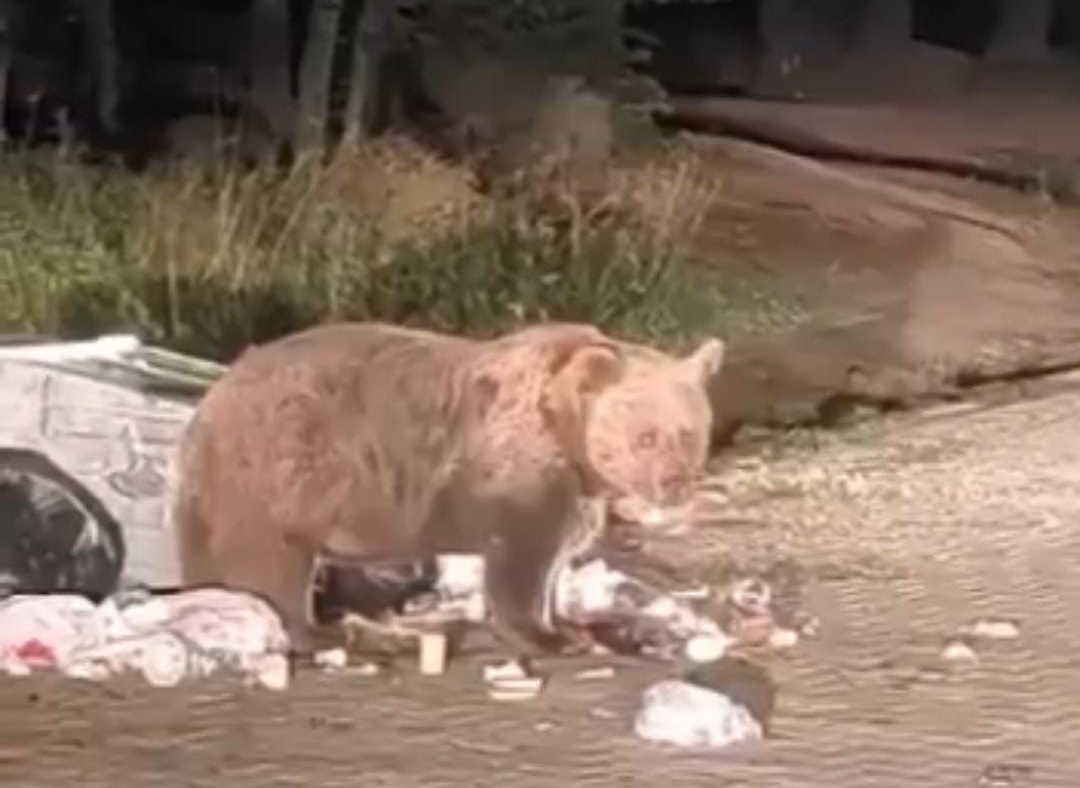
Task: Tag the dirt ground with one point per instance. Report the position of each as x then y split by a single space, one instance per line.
892 534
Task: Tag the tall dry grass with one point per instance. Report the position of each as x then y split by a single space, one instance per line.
211 260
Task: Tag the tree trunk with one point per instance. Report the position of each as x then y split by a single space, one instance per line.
103 60
781 57
270 100
8 38
1023 31
370 38
316 71
885 23
606 20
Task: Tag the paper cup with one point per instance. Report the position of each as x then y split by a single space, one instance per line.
432 653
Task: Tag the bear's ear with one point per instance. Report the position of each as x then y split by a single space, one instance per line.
580 371
590 369
703 364
579 356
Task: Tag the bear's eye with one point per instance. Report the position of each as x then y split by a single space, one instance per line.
687 440
645 440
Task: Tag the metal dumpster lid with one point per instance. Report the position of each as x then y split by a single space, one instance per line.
121 359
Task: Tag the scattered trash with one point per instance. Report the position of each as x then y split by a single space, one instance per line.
666 624
592 674
686 715
458 593
992 629
461 577
700 593
39 632
589 592
365 668
274 672
589 595
343 586
332 659
956 650
622 613
726 701
707 648
662 625
781 639
161 657
432 653
508 671
752 597
809 627
164 638
961 648
751 620
510 681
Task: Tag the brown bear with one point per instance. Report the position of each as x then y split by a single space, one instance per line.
386 443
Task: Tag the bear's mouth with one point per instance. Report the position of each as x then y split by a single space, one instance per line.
650 518
633 520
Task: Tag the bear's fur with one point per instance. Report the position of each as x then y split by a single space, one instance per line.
382 442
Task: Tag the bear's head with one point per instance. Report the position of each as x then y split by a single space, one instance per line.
640 422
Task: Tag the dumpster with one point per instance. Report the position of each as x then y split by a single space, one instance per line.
88 433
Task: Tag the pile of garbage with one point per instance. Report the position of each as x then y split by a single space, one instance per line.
626 613
165 639
718 699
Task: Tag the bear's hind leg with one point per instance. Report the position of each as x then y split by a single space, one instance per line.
282 574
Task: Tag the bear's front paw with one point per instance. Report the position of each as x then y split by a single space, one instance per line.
578 640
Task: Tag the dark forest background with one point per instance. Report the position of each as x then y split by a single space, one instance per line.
146 77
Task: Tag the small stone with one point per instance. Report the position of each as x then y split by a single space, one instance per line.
959 651
810 627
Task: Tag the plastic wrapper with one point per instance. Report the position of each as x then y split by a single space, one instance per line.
165 639
682 714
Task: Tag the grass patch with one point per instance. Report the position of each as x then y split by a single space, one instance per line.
209 261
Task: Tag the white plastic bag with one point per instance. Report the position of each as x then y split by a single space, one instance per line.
165 639
686 715
41 630
214 620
